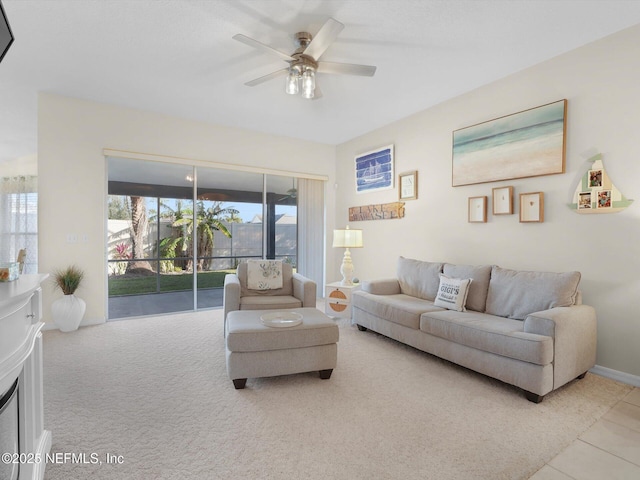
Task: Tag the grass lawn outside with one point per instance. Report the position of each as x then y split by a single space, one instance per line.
120 285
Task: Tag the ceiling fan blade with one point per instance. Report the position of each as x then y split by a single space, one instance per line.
346 69
317 93
325 37
261 46
259 80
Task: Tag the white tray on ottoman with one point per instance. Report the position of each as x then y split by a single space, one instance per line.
255 349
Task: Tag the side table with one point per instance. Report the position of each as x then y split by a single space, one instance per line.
338 299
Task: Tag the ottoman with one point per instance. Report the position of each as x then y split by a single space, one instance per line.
256 350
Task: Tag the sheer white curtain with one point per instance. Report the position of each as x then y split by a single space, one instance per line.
19 220
311 231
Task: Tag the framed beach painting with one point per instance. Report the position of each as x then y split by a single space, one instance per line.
525 144
374 170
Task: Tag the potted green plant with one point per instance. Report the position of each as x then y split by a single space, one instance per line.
68 310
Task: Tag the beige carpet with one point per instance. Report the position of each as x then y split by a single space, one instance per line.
155 391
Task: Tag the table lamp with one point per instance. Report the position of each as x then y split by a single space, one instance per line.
347 239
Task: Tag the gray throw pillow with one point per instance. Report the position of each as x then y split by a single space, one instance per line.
481 274
516 294
419 279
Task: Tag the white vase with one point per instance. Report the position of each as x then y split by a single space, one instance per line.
68 312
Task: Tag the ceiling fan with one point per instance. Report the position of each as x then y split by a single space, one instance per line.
305 62
292 193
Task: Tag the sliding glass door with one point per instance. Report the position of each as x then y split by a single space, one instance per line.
175 231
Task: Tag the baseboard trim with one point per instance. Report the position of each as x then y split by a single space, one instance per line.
616 375
85 323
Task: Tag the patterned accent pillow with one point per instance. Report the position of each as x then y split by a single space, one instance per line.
452 293
264 274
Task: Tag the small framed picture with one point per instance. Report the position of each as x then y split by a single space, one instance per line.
532 207
477 209
604 199
408 183
595 178
584 201
502 200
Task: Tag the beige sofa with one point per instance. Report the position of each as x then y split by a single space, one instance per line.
528 329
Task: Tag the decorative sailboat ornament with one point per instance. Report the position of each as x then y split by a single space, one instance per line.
596 193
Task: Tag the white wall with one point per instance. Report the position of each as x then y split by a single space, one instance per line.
72 134
600 82
19 166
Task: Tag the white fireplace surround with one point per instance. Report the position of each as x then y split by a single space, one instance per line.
21 358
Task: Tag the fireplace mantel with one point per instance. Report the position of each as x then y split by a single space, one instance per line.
21 358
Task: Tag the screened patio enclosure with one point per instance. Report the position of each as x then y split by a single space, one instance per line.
175 231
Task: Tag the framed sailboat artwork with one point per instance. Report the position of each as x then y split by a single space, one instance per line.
374 170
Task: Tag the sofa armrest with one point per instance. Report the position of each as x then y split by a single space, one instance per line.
574 333
304 289
386 286
231 294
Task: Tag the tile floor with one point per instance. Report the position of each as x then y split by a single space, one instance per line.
610 449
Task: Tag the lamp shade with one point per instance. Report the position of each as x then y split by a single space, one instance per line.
347 238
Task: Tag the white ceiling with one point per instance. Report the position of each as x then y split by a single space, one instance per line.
177 57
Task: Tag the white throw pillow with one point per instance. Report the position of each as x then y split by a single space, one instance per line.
264 274
452 293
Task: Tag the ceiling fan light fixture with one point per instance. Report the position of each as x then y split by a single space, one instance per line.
305 62
308 83
291 86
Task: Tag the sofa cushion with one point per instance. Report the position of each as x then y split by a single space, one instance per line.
515 294
452 293
400 308
502 336
477 298
419 279
270 302
246 333
386 286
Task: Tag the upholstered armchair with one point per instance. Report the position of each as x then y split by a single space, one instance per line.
297 291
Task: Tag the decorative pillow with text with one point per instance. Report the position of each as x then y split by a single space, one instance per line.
452 293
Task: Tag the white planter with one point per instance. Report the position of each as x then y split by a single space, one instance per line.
68 312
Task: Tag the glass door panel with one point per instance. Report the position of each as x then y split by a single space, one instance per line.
131 245
229 222
175 246
282 218
150 205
